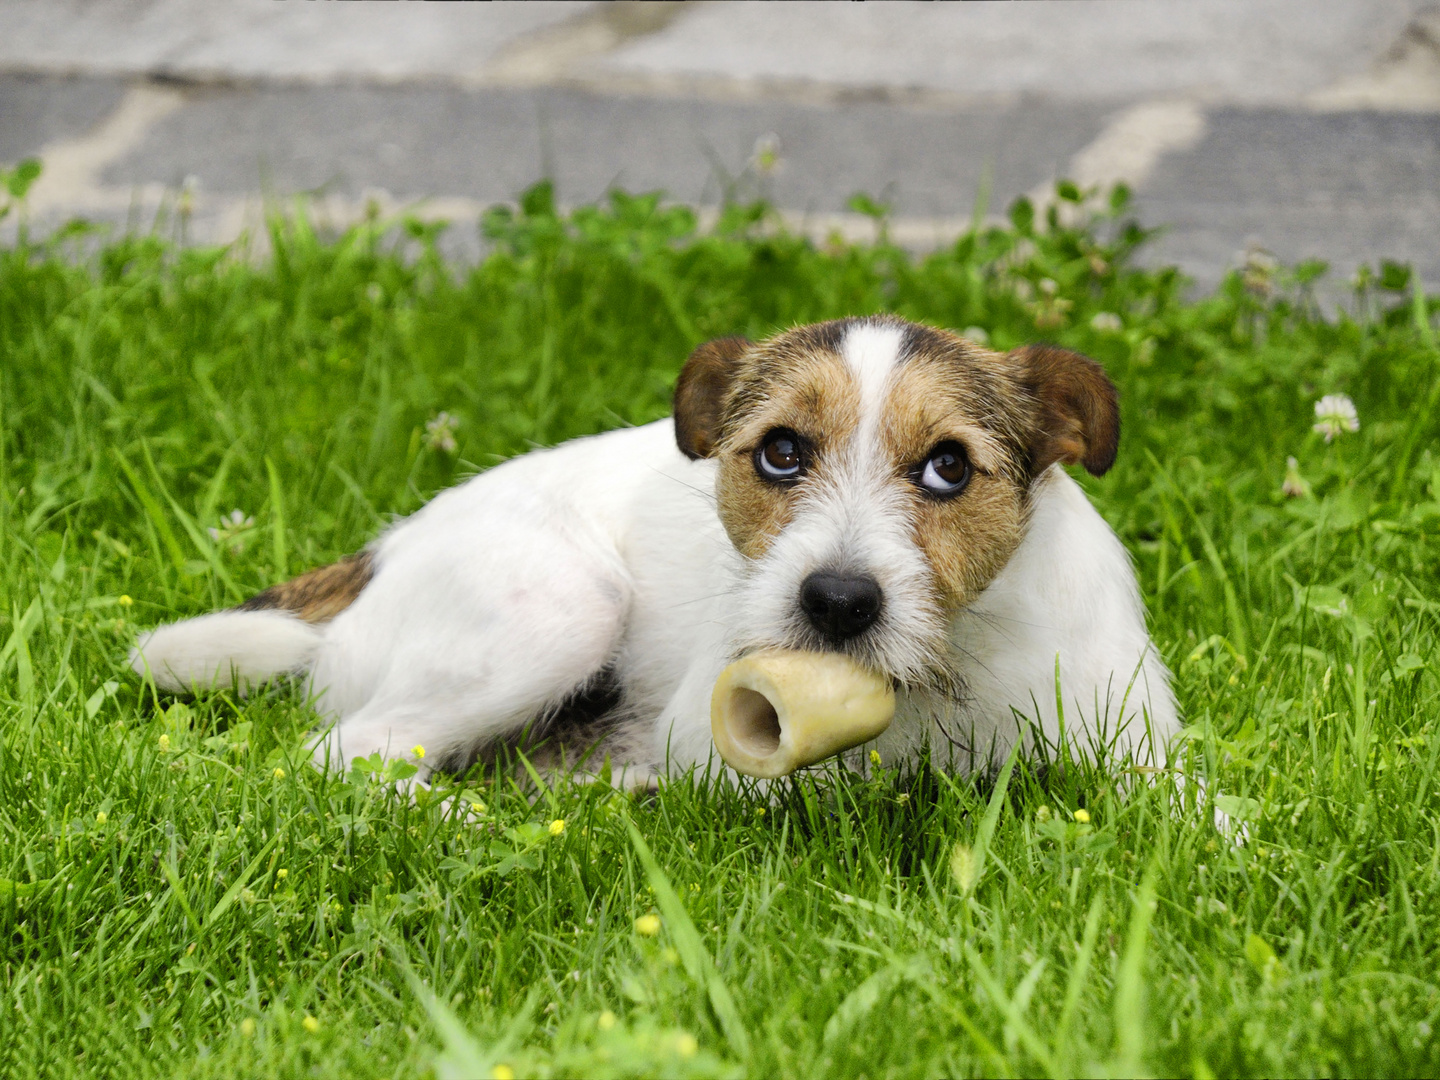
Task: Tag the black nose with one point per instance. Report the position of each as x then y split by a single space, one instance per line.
840 605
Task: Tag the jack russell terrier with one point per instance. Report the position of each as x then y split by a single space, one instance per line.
867 487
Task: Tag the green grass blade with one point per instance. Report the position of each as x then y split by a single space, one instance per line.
1010 1006
153 512
690 946
986 832
1079 972
238 885
197 536
1130 980
861 1001
277 521
23 626
173 876
1420 311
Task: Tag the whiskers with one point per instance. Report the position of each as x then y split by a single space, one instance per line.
707 494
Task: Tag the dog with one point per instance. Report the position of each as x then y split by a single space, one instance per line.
868 486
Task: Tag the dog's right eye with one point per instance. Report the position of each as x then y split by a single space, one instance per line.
779 457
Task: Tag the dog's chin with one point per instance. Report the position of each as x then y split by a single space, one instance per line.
905 660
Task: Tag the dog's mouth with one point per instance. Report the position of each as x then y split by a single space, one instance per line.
776 711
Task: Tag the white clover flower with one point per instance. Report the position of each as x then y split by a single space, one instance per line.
1334 415
1107 322
440 432
231 530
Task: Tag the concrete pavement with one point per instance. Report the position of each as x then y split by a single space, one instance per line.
1309 127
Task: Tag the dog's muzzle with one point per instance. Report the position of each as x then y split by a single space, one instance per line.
776 711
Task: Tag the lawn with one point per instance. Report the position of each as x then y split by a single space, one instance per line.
184 895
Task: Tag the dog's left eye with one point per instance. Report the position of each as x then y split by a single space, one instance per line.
946 471
778 458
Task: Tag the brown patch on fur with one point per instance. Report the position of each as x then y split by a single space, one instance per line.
321 594
1079 412
950 389
970 537
797 381
752 511
701 392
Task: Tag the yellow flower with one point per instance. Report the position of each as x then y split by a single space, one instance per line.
648 925
282 873
125 601
1082 815
502 1072
310 1024
247 1028
418 750
164 744
101 818
605 1021
875 758
557 827
279 774
759 811
686 1044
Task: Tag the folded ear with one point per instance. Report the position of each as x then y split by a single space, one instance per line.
1078 414
700 394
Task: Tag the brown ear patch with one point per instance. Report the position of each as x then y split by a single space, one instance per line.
1078 415
700 394
321 594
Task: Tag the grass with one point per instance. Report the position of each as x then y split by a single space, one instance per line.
184 896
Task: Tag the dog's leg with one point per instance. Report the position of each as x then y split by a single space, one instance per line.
447 651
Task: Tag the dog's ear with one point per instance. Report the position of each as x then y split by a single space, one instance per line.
700 394
1078 411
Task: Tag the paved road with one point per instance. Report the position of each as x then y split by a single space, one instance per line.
1309 127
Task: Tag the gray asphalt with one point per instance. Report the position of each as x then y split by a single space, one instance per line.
488 144
38 110
1343 187
1312 130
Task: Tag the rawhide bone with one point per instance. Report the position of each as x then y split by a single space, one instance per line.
777 711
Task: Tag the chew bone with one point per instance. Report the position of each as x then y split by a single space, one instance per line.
777 711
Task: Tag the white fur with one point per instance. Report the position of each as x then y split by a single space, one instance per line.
502 596
1065 609
872 352
244 647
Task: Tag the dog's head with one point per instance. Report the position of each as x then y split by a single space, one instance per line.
876 474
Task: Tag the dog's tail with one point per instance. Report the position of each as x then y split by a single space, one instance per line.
276 632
